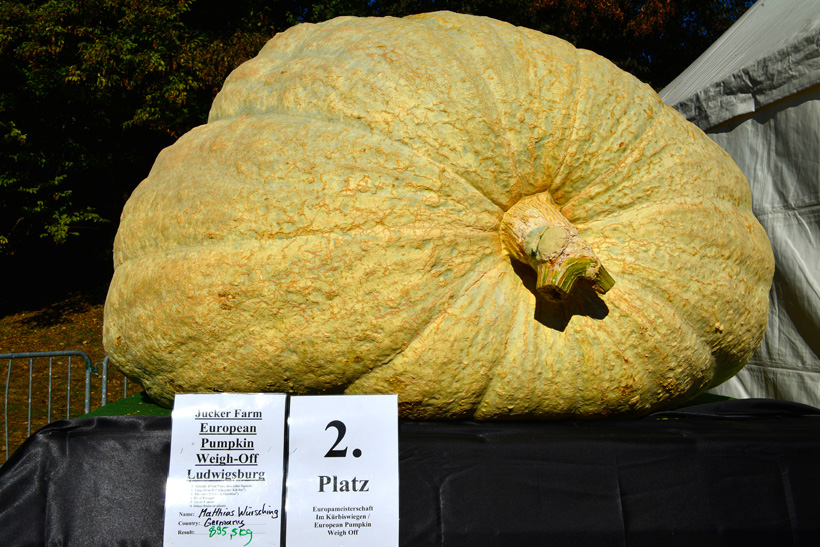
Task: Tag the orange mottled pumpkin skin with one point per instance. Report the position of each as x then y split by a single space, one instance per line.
335 228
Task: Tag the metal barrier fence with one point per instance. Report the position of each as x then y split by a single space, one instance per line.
90 370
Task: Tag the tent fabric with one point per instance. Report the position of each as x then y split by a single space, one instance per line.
756 92
770 53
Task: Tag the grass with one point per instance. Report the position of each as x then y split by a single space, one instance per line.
51 322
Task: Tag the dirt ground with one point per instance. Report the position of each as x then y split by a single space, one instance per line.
70 322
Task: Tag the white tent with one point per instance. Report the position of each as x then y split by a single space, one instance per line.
756 92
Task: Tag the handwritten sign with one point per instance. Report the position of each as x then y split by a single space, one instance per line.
226 473
342 483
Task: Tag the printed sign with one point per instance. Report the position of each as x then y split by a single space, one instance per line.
226 473
343 481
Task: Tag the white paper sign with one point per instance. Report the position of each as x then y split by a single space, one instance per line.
225 477
343 480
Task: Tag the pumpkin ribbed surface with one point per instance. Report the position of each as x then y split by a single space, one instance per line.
338 226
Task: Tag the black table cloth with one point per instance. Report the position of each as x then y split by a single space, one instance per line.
733 473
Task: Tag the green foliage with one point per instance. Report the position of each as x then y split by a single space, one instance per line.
92 89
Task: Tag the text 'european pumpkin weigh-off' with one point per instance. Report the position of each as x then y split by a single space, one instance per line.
477 217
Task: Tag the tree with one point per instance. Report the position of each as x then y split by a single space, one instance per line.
92 89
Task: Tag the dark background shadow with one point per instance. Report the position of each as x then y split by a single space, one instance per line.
583 300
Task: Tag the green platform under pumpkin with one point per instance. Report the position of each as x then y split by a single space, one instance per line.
140 404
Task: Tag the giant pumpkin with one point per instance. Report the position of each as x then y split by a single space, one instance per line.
477 217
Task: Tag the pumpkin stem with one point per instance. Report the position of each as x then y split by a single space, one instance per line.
535 232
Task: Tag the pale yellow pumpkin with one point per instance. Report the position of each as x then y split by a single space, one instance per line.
475 216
